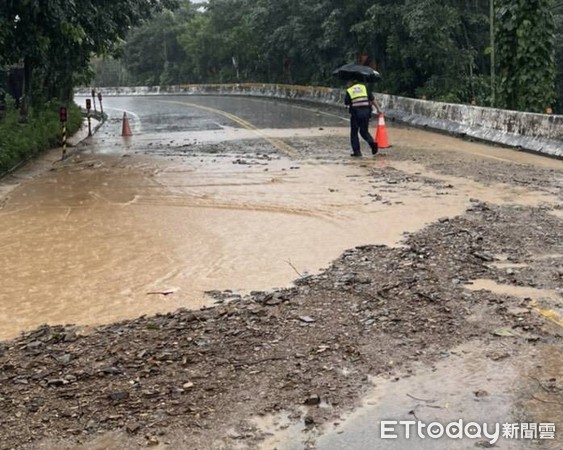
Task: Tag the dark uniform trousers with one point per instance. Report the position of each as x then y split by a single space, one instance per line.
359 121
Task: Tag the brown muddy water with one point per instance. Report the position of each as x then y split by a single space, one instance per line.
545 302
95 240
109 234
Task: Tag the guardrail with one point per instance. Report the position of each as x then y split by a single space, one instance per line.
541 133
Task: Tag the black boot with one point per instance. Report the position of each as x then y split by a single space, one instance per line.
374 150
356 155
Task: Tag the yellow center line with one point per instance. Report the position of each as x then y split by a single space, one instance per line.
284 148
549 314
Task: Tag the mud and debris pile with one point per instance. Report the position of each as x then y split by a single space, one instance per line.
375 310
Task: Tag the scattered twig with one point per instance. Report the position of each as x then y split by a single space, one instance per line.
434 406
167 292
293 267
546 401
545 388
420 399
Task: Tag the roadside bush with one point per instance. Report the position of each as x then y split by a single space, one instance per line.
19 142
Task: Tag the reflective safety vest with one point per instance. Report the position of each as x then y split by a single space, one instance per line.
359 96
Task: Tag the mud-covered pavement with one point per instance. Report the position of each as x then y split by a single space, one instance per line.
449 309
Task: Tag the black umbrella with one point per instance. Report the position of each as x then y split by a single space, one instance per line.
357 72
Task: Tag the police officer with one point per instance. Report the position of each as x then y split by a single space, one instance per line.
360 102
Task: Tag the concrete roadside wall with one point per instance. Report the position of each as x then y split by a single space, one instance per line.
528 131
540 133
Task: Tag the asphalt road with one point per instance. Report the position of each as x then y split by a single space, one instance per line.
244 194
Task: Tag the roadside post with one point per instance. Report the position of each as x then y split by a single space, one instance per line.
88 108
100 100
63 118
94 98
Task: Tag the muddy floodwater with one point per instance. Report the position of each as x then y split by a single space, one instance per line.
420 284
149 223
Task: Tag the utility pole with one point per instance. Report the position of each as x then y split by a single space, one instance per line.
492 31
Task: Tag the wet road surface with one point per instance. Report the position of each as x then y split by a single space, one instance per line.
148 223
208 195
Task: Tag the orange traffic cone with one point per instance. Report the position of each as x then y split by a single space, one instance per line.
380 133
126 129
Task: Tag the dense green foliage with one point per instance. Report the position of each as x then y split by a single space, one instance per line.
559 54
50 43
43 131
53 40
438 49
525 35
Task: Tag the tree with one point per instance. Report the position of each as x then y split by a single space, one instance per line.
558 16
525 34
152 52
433 48
55 39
